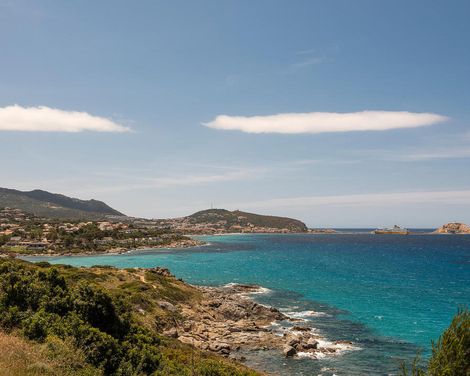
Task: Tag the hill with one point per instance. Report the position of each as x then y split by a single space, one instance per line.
233 220
52 205
59 320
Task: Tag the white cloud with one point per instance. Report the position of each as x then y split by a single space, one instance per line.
460 197
45 119
105 182
441 153
322 122
308 62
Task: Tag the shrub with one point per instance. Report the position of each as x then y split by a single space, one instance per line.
67 311
451 354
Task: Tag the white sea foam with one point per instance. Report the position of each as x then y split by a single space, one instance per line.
256 290
304 314
315 355
260 291
231 284
339 349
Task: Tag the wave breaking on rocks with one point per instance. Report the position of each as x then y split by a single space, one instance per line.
228 321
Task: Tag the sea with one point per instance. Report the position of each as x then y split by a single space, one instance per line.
389 295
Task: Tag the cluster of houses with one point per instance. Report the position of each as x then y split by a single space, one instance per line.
74 227
12 226
40 234
10 220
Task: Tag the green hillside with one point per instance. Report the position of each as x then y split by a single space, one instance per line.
110 319
46 204
241 218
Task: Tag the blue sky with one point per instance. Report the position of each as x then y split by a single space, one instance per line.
154 77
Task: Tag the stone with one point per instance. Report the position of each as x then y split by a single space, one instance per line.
166 306
187 340
311 344
293 342
172 333
220 347
289 351
301 328
162 271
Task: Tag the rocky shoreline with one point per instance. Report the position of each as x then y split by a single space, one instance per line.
229 322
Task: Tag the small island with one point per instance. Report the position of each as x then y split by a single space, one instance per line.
453 228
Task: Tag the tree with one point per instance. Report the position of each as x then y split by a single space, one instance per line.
451 354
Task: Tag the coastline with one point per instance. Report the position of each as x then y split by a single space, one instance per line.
219 268
180 244
194 242
228 321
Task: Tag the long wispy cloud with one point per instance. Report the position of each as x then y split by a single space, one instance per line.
323 122
105 182
455 197
46 119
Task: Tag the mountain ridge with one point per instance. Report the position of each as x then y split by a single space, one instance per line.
54 205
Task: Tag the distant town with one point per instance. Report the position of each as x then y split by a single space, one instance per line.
22 233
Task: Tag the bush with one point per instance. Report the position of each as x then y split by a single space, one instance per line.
42 303
65 310
451 354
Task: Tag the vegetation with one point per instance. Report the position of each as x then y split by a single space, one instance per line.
45 204
33 235
4 239
238 217
54 357
451 354
99 321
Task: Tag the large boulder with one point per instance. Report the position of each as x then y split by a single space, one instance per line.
289 351
220 347
312 343
293 342
232 311
299 328
166 305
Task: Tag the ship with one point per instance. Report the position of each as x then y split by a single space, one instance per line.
395 230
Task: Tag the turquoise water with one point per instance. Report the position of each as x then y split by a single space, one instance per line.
390 295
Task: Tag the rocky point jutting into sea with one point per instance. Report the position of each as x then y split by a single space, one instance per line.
227 320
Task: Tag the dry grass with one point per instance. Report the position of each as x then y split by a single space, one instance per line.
19 357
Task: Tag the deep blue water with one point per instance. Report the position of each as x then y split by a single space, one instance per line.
390 295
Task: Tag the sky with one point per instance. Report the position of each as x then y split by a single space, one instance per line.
338 113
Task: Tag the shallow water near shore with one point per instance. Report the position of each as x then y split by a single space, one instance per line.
389 295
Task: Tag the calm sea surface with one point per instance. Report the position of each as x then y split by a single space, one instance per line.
390 295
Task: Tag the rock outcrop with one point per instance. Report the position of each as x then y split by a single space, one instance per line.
453 228
226 320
